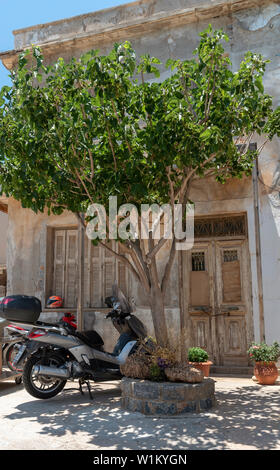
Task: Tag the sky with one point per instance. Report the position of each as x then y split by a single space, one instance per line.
16 14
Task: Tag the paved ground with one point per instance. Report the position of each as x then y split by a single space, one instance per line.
247 416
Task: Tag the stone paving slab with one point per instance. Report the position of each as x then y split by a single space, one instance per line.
247 416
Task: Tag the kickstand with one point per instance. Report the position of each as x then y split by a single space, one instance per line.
80 386
81 382
89 390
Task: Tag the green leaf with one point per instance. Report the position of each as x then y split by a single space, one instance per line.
259 84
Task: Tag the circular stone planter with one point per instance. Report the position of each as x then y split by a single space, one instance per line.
167 398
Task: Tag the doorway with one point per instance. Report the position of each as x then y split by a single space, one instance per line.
217 284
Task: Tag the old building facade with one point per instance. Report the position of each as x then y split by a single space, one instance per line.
224 293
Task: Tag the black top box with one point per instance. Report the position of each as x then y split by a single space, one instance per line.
20 308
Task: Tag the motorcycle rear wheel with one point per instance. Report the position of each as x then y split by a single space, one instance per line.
42 387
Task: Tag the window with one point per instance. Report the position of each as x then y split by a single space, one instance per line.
198 261
199 279
220 226
230 255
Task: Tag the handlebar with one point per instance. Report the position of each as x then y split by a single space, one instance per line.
117 314
112 314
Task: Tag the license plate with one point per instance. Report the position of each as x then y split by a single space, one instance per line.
19 355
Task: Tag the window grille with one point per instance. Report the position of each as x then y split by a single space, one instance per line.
198 261
230 255
220 227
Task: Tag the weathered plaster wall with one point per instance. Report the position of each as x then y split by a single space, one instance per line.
256 29
3 236
26 254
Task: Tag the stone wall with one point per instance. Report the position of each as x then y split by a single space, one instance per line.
167 398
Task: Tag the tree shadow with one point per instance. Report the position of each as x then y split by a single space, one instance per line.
244 417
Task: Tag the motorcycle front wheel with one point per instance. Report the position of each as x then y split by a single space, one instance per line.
10 355
42 386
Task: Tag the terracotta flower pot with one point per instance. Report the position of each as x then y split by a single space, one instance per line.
204 366
266 373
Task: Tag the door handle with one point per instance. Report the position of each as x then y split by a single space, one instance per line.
224 313
203 309
229 309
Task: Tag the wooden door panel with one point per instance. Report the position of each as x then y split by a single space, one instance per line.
231 282
231 307
235 343
200 296
199 277
229 273
201 332
199 288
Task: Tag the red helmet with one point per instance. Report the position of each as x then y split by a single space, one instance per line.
54 301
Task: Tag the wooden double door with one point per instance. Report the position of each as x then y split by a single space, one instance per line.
217 305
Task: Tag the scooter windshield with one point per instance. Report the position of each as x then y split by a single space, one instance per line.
122 302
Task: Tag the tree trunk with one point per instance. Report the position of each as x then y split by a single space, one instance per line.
158 316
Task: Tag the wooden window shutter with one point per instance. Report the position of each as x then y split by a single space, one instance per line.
96 276
105 270
59 263
109 270
71 271
122 274
87 273
101 270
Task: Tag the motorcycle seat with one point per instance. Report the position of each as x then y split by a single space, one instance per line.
90 337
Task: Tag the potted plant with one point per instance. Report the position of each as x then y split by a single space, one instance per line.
198 357
265 358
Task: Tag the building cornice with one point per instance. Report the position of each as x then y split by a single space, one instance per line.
129 29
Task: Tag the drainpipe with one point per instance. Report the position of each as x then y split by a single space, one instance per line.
253 146
81 262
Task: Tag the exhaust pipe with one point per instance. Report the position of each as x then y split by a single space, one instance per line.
61 373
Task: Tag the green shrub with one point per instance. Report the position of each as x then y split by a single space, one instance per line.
197 355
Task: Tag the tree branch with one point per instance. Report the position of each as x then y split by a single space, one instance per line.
84 186
121 258
152 253
141 270
112 147
142 257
